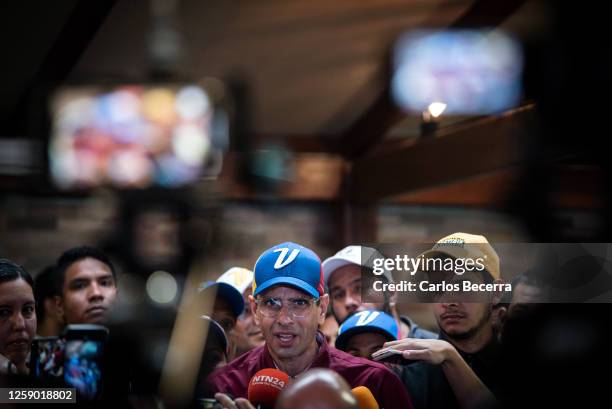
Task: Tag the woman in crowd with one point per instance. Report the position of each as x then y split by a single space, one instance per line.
17 317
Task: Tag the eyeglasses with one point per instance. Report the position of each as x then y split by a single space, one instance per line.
296 307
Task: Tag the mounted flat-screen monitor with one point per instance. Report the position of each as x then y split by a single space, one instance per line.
130 135
462 72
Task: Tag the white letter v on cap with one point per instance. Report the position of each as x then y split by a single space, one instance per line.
280 261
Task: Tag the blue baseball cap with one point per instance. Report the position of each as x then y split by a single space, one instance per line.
367 321
227 292
292 265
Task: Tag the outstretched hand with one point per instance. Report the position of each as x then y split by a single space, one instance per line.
432 351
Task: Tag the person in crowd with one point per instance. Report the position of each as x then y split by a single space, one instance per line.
366 332
343 277
460 369
46 289
246 334
528 291
289 303
527 288
216 347
215 354
228 302
17 317
88 286
330 329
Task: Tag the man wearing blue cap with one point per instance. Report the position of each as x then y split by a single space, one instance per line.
289 303
366 332
228 304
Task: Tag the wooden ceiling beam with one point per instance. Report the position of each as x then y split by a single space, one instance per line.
319 178
487 13
485 145
577 187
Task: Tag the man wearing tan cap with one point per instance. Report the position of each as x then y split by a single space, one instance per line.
459 368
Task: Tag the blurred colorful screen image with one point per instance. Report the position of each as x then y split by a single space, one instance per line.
82 369
131 136
470 72
50 358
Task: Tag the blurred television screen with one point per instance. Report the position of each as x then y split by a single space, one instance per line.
470 72
82 367
129 136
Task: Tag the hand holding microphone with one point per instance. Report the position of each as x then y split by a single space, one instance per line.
318 388
262 393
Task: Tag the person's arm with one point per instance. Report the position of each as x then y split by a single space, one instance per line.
468 388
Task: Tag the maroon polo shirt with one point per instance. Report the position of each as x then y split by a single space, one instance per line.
389 391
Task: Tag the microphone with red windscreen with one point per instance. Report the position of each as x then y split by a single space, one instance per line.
364 397
265 386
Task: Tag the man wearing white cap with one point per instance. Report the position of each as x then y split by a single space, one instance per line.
343 279
246 334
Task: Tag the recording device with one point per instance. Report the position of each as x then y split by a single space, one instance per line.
83 354
72 360
364 397
265 386
47 359
134 136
